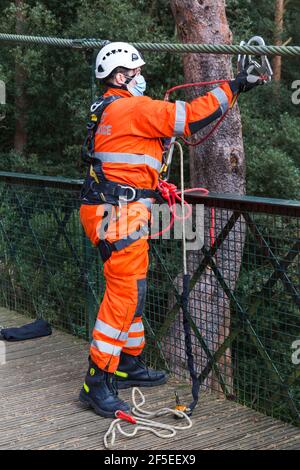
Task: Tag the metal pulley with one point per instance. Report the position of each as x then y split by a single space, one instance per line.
256 68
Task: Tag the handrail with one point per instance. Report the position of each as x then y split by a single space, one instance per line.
223 200
244 288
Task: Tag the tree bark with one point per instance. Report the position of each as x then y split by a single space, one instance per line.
218 165
21 105
277 61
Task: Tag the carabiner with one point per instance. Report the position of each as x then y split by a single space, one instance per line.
262 68
127 199
167 161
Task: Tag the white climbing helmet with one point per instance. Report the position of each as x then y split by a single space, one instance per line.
117 54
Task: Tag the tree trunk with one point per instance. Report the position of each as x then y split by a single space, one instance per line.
218 165
277 61
20 137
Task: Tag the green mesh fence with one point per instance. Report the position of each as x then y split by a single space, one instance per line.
244 298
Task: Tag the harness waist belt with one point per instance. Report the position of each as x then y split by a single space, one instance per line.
123 192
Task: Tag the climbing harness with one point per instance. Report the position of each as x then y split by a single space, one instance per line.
97 188
97 109
256 68
143 421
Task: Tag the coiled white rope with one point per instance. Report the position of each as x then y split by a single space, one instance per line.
142 422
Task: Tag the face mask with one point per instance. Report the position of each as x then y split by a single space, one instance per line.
138 86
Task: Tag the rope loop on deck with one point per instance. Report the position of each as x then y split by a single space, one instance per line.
141 419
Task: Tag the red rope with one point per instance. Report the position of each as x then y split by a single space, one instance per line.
168 190
171 194
189 85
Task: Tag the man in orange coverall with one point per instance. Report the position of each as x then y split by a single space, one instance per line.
125 155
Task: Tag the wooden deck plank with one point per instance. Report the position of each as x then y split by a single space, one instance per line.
40 409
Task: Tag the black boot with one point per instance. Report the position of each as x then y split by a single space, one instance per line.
134 373
100 392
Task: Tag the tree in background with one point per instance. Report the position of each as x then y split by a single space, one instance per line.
271 138
58 81
218 165
58 84
279 13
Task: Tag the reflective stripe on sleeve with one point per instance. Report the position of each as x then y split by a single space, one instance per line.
222 98
131 158
180 118
110 331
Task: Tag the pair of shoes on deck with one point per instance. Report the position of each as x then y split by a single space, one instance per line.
100 389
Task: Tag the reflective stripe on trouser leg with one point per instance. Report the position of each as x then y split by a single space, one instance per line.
108 341
136 338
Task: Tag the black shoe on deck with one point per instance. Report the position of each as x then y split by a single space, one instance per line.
133 372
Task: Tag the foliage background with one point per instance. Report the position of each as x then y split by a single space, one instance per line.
59 84
59 87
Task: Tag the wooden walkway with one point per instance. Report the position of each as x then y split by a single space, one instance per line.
39 405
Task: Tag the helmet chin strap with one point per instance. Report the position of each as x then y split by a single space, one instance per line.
124 85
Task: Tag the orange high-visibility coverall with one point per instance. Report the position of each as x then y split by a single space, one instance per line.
128 143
